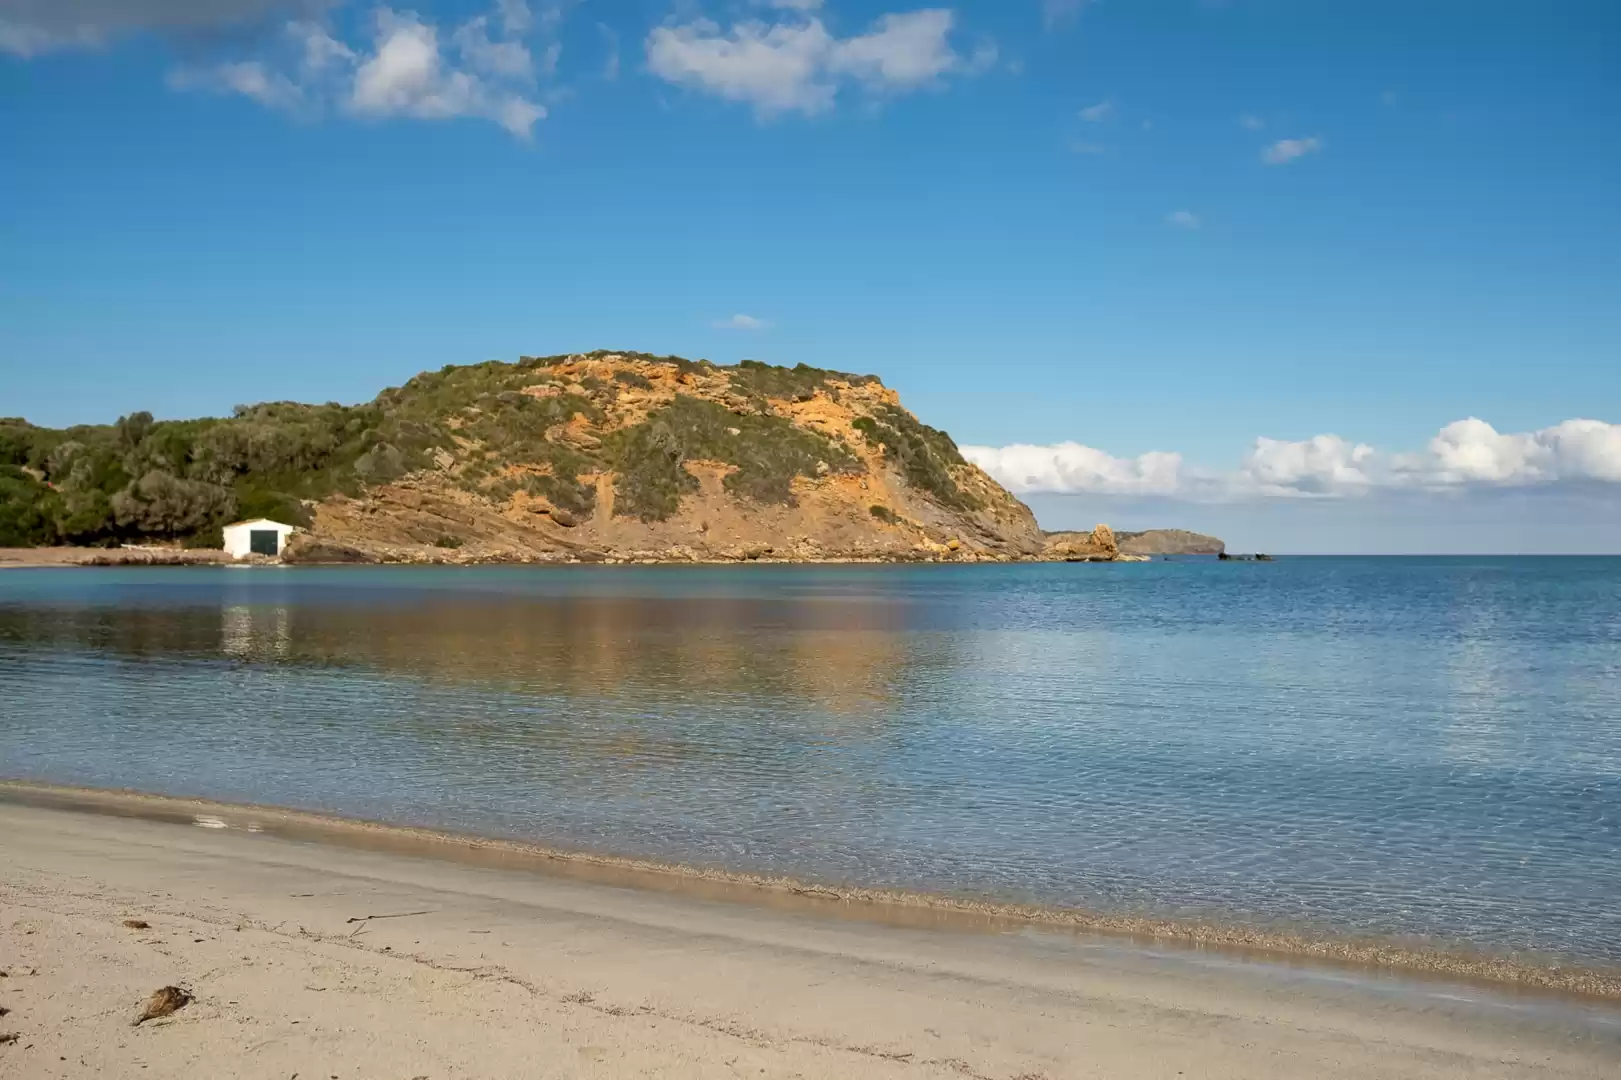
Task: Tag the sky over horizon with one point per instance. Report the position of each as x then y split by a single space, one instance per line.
1314 277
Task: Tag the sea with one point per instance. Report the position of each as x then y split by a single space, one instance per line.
1422 749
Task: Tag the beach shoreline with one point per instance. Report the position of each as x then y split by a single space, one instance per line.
886 907
312 958
96 557
57 557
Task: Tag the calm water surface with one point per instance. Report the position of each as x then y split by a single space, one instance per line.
1424 747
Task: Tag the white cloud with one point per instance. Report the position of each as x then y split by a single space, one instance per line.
741 322
901 52
516 18
321 50
1071 467
481 68
407 76
792 5
1055 13
1183 219
407 73
1321 465
507 59
1467 455
797 65
1094 114
1251 122
775 68
248 78
1473 452
1286 150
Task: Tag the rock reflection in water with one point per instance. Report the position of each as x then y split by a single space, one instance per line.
1391 746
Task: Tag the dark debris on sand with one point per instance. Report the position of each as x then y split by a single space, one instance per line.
163 1002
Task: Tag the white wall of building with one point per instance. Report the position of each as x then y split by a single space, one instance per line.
239 536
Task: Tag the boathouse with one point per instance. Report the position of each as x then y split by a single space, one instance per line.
260 536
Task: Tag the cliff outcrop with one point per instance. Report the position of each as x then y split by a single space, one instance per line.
628 457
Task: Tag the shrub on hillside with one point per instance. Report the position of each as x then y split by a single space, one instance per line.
923 454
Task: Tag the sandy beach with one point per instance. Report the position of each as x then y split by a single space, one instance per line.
312 960
17 558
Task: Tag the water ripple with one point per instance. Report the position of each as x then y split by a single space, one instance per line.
1417 747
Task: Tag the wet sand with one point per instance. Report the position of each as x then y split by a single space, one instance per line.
323 960
888 907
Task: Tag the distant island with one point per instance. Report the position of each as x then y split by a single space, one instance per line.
1169 542
602 456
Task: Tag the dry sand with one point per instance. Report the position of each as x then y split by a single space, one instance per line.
321 961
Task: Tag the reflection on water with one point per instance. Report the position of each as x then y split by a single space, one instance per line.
255 633
1428 747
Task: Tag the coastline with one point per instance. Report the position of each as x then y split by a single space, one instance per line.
314 959
895 908
72 557
42 557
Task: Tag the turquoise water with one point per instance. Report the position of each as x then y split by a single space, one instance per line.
1426 748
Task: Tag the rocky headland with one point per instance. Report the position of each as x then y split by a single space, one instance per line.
590 457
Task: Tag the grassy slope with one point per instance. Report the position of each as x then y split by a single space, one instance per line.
181 480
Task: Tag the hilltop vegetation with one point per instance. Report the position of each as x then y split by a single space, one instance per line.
539 433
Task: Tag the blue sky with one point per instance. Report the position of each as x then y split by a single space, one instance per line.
1165 227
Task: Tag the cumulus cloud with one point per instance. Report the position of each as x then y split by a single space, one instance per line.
1286 150
407 74
509 59
796 64
248 78
1473 452
901 51
1321 465
1072 467
741 322
1465 455
409 69
481 68
1182 219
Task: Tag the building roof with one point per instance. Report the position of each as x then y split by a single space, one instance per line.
259 521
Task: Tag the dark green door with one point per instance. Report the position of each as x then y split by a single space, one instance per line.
264 542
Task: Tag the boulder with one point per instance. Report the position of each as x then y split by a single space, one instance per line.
303 548
1099 545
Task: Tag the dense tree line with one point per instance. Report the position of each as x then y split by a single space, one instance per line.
180 480
146 479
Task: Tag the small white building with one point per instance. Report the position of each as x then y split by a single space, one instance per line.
261 536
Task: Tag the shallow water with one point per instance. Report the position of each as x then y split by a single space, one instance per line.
1415 747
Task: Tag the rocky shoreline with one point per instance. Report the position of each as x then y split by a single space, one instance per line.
1098 546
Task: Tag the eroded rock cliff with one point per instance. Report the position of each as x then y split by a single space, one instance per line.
623 456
